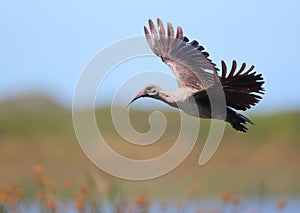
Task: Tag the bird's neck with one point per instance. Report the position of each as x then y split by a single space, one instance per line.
166 97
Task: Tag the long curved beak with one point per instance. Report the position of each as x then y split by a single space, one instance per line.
139 95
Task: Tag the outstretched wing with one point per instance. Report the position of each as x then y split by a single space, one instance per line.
189 62
242 88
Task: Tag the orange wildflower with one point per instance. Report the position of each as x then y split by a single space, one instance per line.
4 194
51 203
141 200
229 197
193 190
37 169
80 205
281 204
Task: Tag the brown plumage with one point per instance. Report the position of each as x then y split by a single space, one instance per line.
184 58
197 77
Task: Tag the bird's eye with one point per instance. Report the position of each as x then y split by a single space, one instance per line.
152 91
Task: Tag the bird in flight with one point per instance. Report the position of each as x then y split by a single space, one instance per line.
198 80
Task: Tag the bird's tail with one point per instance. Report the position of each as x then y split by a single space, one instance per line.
242 88
237 120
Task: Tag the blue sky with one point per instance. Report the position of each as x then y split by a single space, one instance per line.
45 45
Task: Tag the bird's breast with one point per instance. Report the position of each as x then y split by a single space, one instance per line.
190 107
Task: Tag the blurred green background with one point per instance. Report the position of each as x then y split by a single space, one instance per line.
35 130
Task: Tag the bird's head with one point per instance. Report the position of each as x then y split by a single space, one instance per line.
148 91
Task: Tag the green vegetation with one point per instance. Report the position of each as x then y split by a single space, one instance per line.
37 131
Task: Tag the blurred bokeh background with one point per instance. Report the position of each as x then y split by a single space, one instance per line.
44 46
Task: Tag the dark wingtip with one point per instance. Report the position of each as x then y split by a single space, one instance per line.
185 39
194 43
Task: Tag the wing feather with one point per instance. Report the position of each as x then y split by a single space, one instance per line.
242 89
189 62
170 29
179 33
161 28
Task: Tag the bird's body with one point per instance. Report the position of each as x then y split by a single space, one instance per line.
182 99
202 93
186 102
